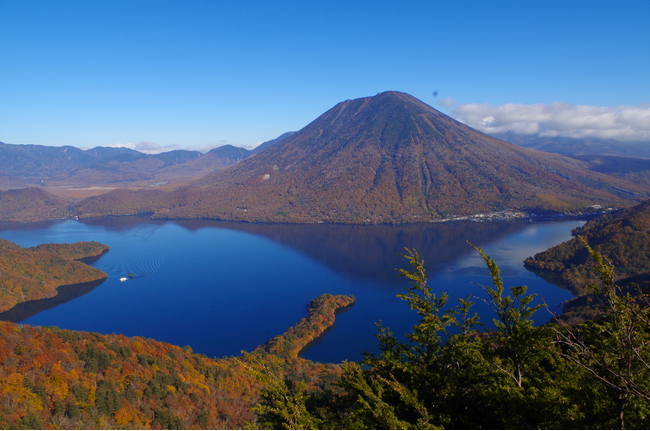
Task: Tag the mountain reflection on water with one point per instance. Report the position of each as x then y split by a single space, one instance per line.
221 287
25 310
372 251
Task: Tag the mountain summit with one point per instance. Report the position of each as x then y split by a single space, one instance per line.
392 158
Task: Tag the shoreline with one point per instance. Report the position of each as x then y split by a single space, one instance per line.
321 314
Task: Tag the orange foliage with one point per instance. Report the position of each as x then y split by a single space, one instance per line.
53 378
321 315
35 272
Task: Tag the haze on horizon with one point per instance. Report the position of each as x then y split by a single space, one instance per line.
195 75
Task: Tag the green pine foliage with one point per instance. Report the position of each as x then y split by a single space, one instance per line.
449 373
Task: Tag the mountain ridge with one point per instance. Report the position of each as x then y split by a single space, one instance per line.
388 158
392 158
577 146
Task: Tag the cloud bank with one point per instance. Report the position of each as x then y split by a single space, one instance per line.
147 147
623 123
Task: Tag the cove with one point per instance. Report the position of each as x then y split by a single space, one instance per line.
223 287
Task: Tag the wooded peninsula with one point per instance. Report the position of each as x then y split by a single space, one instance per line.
36 272
55 378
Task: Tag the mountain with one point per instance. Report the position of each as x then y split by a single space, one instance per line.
577 146
392 158
35 162
636 170
25 165
63 169
31 204
383 159
216 159
122 169
264 145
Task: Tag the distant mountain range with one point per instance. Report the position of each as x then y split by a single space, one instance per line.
626 160
39 165
577 146
53 166
385 159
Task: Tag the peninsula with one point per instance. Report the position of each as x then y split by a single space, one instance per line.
36 272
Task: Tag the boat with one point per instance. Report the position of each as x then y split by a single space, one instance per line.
123 279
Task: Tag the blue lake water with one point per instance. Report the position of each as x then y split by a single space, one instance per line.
224 287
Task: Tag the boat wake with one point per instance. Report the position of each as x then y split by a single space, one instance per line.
132 269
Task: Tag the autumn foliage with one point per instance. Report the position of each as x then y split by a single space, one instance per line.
623 236
35 272
321 315
53 378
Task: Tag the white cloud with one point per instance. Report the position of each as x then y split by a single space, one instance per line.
146 147
624 123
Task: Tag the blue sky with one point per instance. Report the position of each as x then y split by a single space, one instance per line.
204 73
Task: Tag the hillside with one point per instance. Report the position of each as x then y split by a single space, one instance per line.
35 272
39 165
392 159
31 162
121 170
215 159
53 378
31 204
623 237
264 145
631 169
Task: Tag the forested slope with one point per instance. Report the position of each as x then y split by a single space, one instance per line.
53 378
450 372
623 237
35 272
31 204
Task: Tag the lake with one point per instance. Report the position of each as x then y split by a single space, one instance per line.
223 287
